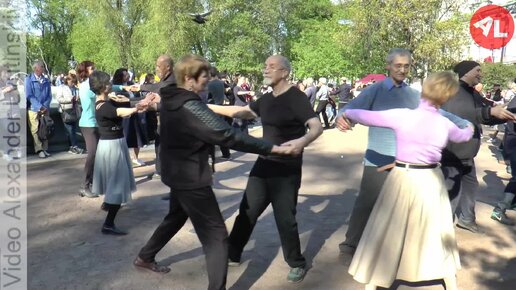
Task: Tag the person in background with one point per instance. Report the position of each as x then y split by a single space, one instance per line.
68 97
310 90
151 116
509 152
37 91
323 94
216 90
135 127
165 72
343 92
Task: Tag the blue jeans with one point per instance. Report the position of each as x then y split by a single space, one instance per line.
71 129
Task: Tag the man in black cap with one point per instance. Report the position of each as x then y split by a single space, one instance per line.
458 159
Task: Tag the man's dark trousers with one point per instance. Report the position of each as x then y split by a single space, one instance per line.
462 184
203 210
157 151
370 187
321 109
276 183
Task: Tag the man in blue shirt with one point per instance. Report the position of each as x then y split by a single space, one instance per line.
391 93
37 91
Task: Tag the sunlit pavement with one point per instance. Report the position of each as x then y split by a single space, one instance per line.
67 250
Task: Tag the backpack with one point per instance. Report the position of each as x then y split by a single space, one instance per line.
46 127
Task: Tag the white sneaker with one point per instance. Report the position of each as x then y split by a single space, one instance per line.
46 153
42 154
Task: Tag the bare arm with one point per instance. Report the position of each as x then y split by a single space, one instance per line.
314 131
125 112
233 111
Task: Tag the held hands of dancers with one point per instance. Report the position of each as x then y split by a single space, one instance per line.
283 150
295 146
152 98
118 98
132 88
500 112
343 123
141 107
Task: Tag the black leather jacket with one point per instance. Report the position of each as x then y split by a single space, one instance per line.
188 131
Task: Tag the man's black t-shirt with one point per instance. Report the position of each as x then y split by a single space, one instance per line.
283 118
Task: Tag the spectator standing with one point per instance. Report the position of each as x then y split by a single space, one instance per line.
37 91
68 98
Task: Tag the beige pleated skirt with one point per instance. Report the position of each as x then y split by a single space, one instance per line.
409 235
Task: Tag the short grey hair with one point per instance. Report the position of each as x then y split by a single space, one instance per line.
284 62
39 63
397 52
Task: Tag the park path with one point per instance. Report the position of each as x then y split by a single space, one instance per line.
67 251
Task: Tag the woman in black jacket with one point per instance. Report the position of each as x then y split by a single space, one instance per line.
188 131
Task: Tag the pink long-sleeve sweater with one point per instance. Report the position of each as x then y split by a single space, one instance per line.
421 134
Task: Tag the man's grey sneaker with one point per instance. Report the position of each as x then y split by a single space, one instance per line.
232 263
499 215
42 154
470 226
296 275
347 249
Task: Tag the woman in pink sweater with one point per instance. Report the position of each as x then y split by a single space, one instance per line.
409 235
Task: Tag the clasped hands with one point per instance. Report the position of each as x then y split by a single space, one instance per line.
292 147
132 88
343 123
150 99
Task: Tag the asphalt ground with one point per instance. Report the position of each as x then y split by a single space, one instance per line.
67 251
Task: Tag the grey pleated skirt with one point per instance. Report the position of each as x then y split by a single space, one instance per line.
113 173
409 234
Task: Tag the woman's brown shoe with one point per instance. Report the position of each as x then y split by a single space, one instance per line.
153 266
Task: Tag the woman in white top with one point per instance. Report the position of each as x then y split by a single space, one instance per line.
68 99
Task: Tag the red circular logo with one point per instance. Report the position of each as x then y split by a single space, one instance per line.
492 26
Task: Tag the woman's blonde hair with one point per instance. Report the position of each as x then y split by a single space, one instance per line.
190 66
439 87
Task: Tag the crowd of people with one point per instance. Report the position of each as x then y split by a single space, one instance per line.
415 183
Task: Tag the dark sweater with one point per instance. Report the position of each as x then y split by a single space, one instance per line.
188 131
467 104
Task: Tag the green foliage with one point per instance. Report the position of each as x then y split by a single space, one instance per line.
53 20
240 34
497 73
433 30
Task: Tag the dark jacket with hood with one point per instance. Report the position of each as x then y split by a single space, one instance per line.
467 104
188 130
